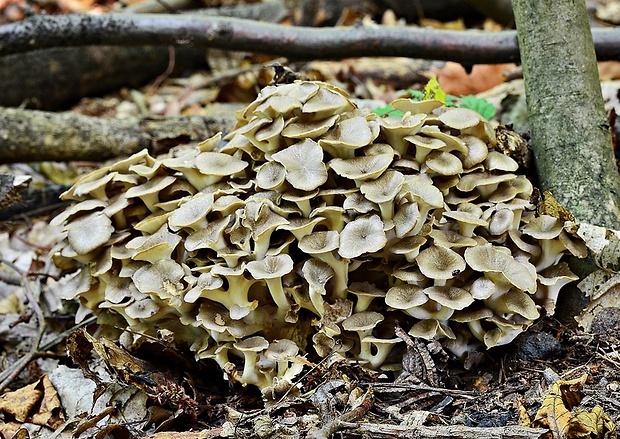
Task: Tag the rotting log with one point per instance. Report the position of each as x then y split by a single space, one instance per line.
468 47
27 135
571 137
57 77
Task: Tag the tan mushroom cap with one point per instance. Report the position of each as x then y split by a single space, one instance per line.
362 322
396 128
149 192
299 129
383 191
496 161
162 279
349 135
444 163
543 227
326 102
270 176
191 214
405 219
452 297
490 259
451 239
317 273
460 118
153 248
405 296
362 235
358 203
304 165
477 151
89 232
416 107
440 263
218 163
409 246
361 168
453 143
424 145
430 329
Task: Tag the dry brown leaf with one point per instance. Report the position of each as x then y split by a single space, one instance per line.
609 70
36 403
556 413
21 402
456 81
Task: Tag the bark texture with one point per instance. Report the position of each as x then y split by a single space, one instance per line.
55 78
571 138
27 135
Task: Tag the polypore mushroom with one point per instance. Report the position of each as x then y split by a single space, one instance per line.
89 232
365 293
361 168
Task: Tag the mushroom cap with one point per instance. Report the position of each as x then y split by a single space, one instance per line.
444 163
452 297
460 118
162 279
256 343
543 227
361 168
362 235
430 329
313 129
319 242
271 267
283 349
488 258
405 296
304 165
190 212
362 321
440 263
384 188
89 232
218 163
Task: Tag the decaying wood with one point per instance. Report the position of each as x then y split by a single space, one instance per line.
468 47
571 137
54 78
37 135
448 431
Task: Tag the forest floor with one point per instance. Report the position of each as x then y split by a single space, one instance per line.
556 380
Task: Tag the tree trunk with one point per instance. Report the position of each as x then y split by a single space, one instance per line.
571 137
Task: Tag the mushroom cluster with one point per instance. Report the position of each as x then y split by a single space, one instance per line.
313 227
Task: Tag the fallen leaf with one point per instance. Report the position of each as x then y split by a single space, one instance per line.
556 413
456 81
36 403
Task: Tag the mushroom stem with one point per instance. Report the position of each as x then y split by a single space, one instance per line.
279 296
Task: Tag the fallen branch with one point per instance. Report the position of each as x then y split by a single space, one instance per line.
448 431
467 47
37 135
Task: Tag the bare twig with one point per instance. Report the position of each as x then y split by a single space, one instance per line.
12 372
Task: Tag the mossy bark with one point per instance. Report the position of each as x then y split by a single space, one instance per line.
571 138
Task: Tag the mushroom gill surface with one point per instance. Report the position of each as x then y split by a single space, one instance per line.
308 217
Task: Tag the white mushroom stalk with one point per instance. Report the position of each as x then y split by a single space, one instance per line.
310 216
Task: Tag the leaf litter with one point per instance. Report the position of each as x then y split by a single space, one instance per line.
83 385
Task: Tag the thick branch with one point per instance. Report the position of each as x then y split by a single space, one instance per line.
470 47
237 34
571 137
37 135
